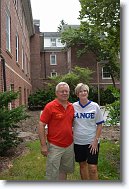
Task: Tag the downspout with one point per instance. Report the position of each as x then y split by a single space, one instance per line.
0 26
4 73
45 66
2 60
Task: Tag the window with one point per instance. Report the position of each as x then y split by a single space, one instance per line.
20 96
59 40
53 59
28 93
53 42
17 47
8 35
12 104
23 59
25 64
105 73
53 74
16 3
25 96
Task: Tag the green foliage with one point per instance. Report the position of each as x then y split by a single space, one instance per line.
109 160
9 121
99 32
114 108
6 98
77 75
106 96
61 25
70 36
40 98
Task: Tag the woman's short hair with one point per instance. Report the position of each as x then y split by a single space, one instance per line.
79 88
61 83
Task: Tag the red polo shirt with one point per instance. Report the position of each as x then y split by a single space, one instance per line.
59 121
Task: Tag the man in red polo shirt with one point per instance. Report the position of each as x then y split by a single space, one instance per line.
58 115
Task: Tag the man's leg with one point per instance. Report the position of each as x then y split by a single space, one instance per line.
67 163
53 162
62 176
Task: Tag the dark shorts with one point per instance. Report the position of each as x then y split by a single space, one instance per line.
82 153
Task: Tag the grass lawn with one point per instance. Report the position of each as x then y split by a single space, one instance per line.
31 167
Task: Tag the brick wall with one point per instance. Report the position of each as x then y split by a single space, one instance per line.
40 62
60 67
15 73
89 60
36 69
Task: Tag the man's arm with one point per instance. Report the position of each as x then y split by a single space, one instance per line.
42 137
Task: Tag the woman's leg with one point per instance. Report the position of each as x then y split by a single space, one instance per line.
84 170
93 172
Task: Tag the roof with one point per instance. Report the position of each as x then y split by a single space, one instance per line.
51 34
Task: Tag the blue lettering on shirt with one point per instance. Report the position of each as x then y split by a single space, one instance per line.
84 115
76 116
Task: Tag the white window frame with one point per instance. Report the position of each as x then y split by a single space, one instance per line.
23 59
51 59
103 77
16 4
25 64
59 40
8 31
53 42
17 47
53 73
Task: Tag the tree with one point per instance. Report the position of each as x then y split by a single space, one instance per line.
9 120
61 25
99 32
77 75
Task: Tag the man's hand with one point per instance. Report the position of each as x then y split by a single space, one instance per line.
44 150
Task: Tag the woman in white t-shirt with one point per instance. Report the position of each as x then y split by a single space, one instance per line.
88 121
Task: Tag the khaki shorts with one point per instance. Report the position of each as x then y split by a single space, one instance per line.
59 160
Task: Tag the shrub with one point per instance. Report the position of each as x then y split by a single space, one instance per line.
114 108
9 121
40 98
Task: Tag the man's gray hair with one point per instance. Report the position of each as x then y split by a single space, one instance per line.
61 83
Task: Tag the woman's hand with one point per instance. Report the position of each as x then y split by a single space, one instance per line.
94 146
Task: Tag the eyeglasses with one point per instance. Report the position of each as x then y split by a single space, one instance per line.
63 92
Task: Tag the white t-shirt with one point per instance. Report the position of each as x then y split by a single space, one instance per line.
86 119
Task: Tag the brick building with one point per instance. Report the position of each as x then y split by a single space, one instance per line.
16 28
29 57
49 58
